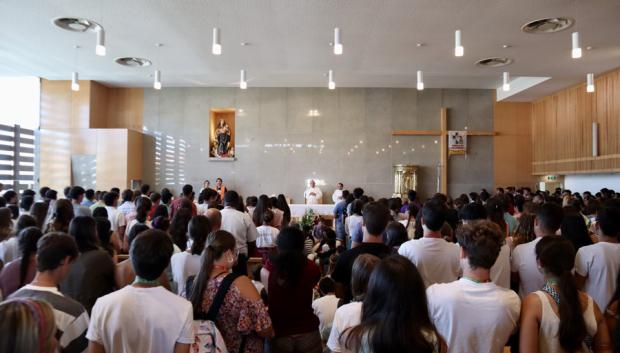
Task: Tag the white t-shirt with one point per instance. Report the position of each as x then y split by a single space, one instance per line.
325 309
9 250
116 218
241 226
267 236
348 315
337 195
313 199
600 263
500 272
473 317
524 262
183 265
141 320
437 260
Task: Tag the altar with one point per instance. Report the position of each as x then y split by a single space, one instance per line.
298 210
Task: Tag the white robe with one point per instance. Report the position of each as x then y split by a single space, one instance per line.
313 199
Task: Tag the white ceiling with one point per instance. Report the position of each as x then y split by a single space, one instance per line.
289 41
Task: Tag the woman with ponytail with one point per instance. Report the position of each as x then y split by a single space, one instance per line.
21 271
241 315
560 318
187 263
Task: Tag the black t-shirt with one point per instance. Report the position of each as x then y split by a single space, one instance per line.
344 266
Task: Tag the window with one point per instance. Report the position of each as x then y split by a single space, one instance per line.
19 118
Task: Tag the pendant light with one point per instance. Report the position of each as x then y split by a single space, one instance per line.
338 48
458 46
420 84
590 83
216 48
243 84
576 52
75 84
331 84
157 81
100 47
506 85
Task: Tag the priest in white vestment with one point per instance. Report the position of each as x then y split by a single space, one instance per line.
313 194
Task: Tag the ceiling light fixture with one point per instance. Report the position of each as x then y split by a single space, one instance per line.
590 83
338 48
420 84
157 82
458 45
216 48
243 84
331 84
506 85
100 47
576 52
75 84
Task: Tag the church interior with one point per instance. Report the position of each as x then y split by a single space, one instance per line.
307 114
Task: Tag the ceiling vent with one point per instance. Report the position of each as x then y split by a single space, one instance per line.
548 25
133 62
75 24
493 62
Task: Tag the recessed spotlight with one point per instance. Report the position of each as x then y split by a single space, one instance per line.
548 25
494 62
589 47
133 62
506 46
75 24
420 45
244 44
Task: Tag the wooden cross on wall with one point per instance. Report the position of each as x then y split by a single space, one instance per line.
443 133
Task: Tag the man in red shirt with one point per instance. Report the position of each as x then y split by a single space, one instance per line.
187 195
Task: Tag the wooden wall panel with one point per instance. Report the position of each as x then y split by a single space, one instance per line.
134 154
512 146
99 106
562 129
125 108
62 108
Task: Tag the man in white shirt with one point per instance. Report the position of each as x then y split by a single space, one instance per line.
523 266
116 218
143 317
241 226
597 265
437 260
325 306
313 194
473 314
337 195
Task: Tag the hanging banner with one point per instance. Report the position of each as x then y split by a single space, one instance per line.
457 142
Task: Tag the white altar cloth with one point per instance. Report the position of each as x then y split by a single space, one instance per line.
298 210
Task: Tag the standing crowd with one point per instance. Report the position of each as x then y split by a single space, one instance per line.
148 271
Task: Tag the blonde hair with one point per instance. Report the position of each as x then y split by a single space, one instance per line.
27 326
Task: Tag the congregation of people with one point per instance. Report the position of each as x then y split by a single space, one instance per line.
209 271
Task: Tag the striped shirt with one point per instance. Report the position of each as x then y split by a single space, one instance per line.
71 317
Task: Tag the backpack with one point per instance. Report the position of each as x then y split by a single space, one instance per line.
207 337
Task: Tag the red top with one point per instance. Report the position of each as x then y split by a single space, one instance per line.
176 204
291 308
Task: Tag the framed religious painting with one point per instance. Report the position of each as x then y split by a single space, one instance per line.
222 134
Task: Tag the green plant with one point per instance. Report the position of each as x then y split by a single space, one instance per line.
307 220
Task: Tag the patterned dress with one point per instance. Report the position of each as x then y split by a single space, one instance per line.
238 316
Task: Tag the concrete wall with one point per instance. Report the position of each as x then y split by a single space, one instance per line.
271 122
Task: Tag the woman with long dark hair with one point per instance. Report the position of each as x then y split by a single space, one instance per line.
263 204
61 217
21 271
292 278
560 318
178 227
574 228
242 316
187 263
397 322
39 210
282 205
92 274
